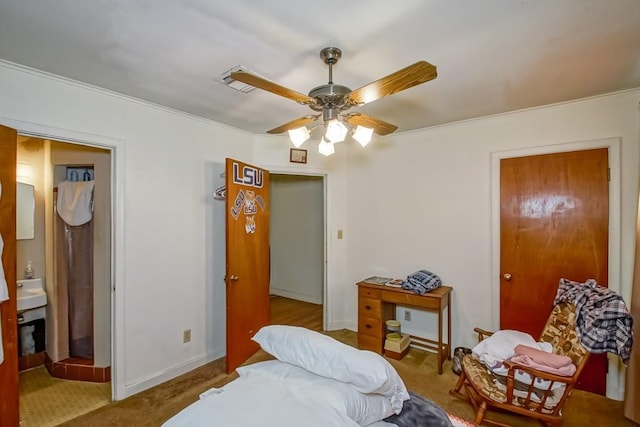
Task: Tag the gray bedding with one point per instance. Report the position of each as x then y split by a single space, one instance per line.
420 412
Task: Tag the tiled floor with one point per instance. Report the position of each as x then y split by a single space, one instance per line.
47 401
78 369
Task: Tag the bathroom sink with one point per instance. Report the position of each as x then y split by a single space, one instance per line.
31 294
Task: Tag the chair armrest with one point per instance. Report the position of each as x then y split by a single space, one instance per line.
482 334
535 373
531 389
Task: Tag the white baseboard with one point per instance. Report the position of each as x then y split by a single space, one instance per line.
295 295
171 373
342 324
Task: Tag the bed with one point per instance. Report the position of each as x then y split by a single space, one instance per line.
314 381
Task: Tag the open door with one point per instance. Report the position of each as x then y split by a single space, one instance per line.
9 415
247 240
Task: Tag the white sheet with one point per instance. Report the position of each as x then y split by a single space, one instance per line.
260 401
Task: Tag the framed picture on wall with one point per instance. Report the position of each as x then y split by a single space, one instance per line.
297 155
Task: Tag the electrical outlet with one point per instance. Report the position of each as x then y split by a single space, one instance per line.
186 336
407 316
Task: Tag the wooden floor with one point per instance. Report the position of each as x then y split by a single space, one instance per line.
285 311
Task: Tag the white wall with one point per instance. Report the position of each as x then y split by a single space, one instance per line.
423 200
163 208
32 153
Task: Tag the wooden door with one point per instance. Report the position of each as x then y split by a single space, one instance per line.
9 415
247 243
554 223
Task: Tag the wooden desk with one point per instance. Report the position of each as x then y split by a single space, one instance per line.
377 304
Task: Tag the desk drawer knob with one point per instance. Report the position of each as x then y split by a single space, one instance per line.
368 307
367 326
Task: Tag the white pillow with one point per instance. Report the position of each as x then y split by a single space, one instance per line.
367 371
362 408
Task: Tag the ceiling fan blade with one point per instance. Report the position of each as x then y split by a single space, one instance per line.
294 124
410 76
269 86
380 127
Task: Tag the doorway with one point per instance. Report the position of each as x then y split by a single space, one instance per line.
299 243
53 162
298 237
615 375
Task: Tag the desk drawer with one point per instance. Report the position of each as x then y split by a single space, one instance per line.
424 301
371 326
368 292
367 342
369 307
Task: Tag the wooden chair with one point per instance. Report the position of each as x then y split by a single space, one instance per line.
485 390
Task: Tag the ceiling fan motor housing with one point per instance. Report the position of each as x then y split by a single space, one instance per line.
329 95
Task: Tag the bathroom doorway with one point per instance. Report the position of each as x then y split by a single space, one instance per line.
47 165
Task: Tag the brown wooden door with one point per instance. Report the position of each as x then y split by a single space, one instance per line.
9 415
554 223
247 277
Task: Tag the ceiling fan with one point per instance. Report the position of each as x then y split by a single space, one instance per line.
332 101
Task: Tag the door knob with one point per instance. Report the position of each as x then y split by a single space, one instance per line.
233 278
507 276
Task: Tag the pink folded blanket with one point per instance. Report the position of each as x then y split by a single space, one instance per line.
543 361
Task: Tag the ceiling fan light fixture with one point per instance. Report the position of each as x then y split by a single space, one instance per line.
299 135
336 131
326 148
363 135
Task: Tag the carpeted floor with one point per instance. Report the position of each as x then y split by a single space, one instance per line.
152 407
40 402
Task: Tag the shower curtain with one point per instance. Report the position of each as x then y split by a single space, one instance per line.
75 268
74 263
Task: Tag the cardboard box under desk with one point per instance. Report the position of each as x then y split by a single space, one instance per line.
397 349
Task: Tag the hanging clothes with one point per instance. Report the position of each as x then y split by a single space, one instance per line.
4 290
603 322
75 201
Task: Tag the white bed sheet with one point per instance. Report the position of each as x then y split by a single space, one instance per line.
260 401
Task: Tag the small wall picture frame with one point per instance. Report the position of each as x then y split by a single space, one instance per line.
297 155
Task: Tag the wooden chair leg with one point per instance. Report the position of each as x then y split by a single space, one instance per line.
455 391
482 409
460 382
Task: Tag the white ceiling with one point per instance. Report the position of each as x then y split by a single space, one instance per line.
492 56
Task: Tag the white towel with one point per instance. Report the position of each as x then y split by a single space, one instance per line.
4 291
75 201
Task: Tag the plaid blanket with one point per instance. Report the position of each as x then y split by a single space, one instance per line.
422 281
603 321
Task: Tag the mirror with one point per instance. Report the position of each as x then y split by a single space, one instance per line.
25 211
